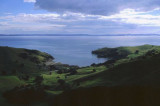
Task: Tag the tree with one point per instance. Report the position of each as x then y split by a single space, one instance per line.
94 70
73 71
59 71
93 64
137 51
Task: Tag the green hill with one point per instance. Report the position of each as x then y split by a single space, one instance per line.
131 74
133 80
21 61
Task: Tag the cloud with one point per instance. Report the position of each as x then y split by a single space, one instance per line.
99 7
126 21
130 16
30 1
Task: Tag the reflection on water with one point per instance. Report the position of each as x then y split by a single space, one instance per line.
75 50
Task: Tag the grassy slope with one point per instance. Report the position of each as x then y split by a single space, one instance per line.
8 63
126 71
139 72
8 83
131 82
122 51
129 70
51 80
11 61
134 69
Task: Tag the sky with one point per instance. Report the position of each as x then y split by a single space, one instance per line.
96 17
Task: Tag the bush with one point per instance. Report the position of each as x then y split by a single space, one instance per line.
24 77
93 64
59 71
23 55
94 70
137 51
35 60
73 72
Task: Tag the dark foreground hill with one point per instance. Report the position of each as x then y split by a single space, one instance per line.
110 96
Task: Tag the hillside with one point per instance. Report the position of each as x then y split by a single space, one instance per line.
21 61
130 81
122 52
131 74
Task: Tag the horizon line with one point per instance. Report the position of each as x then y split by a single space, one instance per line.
73 34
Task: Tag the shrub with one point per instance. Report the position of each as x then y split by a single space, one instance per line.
137 51
94 70
23 55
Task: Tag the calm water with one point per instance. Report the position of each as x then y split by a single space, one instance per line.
75 50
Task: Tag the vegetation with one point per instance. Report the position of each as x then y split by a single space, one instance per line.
31 77
15 61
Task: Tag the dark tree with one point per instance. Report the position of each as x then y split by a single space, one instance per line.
94 70
59 72
57 77
93 64
137 51
73 72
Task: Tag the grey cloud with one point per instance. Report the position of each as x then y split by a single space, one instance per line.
100 7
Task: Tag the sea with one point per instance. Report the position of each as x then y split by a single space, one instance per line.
76 50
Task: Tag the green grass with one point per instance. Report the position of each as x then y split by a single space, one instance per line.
54 92
85 72
131 69
52 79
132 64
90 83
122 52
8 83
10 60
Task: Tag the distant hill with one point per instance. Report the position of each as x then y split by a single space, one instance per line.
79 35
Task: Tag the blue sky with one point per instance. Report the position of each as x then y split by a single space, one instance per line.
80 17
